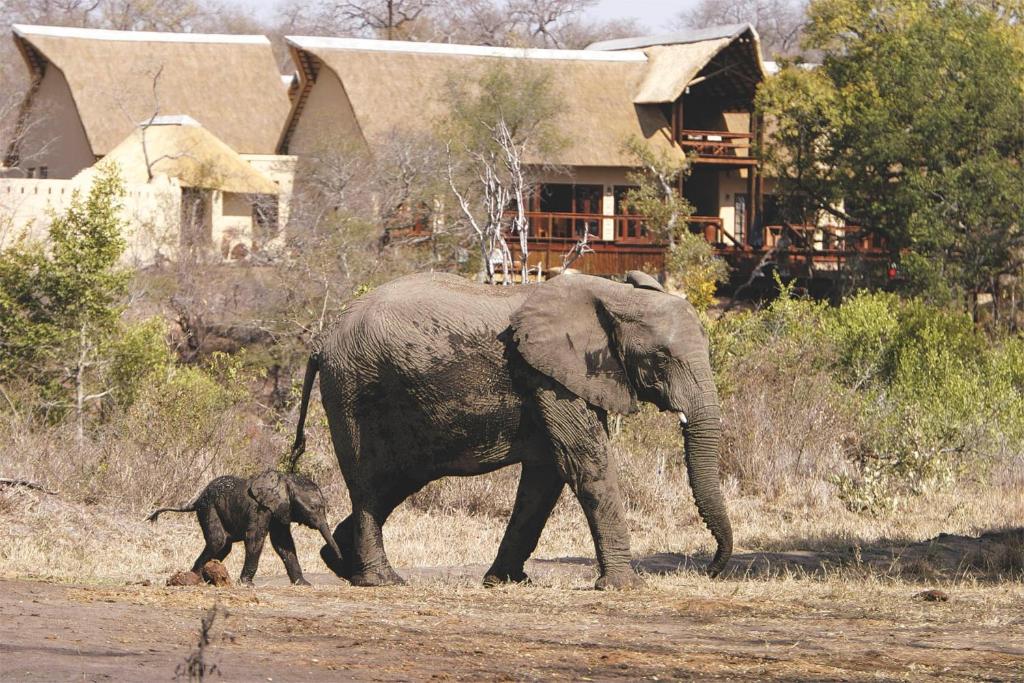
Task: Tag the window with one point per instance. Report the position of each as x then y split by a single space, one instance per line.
739 224
43 172
558 198
627 228
264 220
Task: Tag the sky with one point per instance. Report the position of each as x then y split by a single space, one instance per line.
657 15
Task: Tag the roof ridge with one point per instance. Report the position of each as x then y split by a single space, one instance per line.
684 37
27 31
402 46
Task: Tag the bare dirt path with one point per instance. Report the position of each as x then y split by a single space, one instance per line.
443 626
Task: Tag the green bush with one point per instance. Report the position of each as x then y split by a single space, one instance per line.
916 395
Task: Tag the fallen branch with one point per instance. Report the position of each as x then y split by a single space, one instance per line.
26 484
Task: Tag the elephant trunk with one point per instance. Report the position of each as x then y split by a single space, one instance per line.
325 531
702 433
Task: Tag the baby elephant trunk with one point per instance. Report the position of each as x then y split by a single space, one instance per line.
325 531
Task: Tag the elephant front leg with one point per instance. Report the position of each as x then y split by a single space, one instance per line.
253 549
580 443
606 516
539 488
284 546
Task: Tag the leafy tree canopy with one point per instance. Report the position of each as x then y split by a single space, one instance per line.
913 126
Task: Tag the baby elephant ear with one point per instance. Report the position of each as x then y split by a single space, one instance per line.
270 490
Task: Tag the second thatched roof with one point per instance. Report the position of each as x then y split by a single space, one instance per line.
607 94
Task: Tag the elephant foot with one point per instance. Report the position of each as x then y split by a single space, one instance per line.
339 566
372 578
625 579
497 577
245 581
301 582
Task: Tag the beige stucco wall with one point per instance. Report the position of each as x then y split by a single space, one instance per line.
281 170
54 135
150 212
326 109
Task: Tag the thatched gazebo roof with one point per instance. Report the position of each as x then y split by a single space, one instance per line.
178 147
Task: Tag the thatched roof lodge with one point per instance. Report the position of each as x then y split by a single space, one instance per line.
683 93
92 88
368 89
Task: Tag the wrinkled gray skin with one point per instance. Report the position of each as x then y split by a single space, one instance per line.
231 509
431 376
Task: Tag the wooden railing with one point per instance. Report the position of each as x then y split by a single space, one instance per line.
553 235
717 144
824 238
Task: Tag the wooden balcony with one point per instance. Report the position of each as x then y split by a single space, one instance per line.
802 250
719 146
553 235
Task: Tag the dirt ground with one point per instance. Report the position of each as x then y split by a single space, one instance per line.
784 615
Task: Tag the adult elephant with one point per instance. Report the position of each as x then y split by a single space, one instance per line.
432 375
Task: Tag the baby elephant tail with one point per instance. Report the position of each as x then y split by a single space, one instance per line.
156 513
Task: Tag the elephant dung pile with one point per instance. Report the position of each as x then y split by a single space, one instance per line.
184 579
212 572
216 573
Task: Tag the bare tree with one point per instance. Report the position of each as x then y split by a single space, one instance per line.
497 122
778 22
390 19
543 20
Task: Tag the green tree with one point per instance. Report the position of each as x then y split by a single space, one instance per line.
61 304
913 126
690 263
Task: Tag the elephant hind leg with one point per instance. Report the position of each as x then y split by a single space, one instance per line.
540 485
217 543
369 512
343 536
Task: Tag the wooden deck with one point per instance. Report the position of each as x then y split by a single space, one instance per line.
810 252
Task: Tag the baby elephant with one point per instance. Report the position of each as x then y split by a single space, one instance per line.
231 509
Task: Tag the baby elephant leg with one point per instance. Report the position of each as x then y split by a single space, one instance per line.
217 545
284 546
253 548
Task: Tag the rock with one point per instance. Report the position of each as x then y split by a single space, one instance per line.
216 573
184 579
933 595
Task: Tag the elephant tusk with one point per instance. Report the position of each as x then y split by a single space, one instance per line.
682 418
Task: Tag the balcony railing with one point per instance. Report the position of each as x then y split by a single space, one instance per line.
721 145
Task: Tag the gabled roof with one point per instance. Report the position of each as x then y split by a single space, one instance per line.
395 85
178 147
698 35
230 83
607 95
677 58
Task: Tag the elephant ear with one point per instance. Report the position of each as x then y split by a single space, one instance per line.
270 490
564 330
642 280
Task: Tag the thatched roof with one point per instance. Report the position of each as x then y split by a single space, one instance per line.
178 147
606 95
676 59
231 84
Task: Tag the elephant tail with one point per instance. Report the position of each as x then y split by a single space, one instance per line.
299 447
156 513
